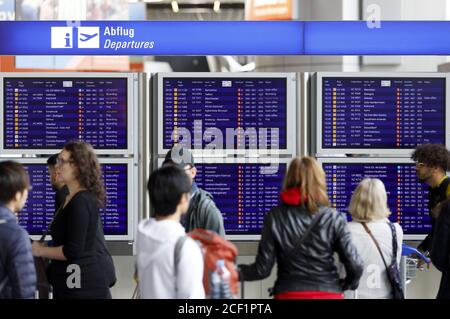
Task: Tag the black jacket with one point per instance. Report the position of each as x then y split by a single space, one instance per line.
440 251
436 195
312 266
17 272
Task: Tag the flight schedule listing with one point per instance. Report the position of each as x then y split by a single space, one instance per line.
225 112
382 112
244 193
45 113
407 198
39 209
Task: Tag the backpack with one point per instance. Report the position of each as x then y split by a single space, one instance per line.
215 248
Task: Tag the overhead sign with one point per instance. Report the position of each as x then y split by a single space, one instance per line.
224 38
150 38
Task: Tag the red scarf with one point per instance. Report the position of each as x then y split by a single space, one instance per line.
293 197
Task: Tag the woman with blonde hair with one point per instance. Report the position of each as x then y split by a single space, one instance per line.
302 234
370 212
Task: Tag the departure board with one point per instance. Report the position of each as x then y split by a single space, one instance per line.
389 113
407 198
225 113
244 193
45 113
40 206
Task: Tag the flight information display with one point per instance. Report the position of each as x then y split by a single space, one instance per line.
407 198
227 113
382 112
45 113
39 210
244 193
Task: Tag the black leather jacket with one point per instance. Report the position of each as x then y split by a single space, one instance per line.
311 267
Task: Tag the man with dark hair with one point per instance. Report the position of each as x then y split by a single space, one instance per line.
432 162
61 190
169 263
202 212
17 272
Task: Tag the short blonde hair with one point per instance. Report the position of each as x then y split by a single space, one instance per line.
306 174
369 201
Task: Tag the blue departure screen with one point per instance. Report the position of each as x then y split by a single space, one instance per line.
407 198
244 193
225 113
40 206
382 112
45 113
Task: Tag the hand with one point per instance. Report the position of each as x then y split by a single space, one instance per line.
421 263
37 248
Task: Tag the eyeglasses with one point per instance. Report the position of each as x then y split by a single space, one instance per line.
61 161
419 164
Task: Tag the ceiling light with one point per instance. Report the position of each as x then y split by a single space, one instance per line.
175 6
216 6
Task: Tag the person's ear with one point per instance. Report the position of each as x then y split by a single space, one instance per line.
184 198
18 197
193 172
18 200
184 203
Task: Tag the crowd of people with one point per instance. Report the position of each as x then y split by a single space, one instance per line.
318 253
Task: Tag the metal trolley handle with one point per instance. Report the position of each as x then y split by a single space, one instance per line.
408 250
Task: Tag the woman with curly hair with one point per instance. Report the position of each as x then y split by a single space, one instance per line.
75 270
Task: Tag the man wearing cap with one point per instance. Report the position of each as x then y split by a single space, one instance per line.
202 212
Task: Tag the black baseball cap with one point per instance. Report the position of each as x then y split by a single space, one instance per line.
179 155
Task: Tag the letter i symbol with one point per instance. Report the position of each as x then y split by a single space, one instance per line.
67 38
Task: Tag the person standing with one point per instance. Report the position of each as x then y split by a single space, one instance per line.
202 212
432 161
160 274
302 234
76 269
370 213
17 272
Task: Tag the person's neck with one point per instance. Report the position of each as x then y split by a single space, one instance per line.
435 179
174 217
74 187
11 206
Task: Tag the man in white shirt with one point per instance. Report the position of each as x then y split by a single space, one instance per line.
159 277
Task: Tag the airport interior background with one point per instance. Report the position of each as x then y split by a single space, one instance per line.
146 78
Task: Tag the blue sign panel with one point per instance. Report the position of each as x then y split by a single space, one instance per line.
224 38
382 113
150 38
89 109
223 103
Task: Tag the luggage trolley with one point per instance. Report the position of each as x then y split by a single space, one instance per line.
408 264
